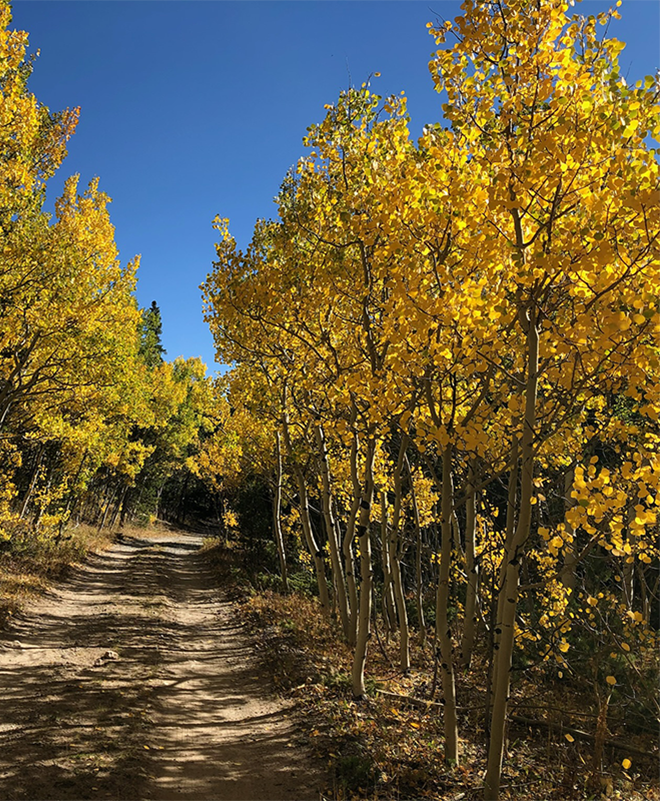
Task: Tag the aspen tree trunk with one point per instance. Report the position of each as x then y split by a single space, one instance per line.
472 570
347 545
442 629
118 504
568 578
328 516
181 511
389 613
644 592
316 552
107 509
312 544
364 619
629 568
498 596
71 498
33 481
42 508
509 588
277 513
395 562
419 595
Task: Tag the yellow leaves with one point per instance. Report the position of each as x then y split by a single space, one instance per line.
610 680
569 737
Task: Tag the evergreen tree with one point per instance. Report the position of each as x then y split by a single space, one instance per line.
151 329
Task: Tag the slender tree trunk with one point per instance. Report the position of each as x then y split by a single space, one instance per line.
498 599
395 561
472 570
629 567
568 577
364 619
277 513
108 504
419 588
181 511
118 505
443 631
71 495
328 517
347 545
316 552
389 612
512 558
33 481
644 591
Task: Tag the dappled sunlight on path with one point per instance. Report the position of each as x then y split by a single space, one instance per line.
134 680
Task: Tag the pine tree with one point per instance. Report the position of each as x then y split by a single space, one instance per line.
151 329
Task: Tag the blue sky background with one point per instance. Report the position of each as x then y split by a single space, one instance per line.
192 108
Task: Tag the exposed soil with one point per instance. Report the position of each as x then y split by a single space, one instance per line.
134 680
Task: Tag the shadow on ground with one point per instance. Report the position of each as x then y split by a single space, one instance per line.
133 680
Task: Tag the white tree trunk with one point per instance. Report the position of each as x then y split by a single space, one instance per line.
509 589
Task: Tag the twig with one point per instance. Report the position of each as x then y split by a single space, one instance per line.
409 699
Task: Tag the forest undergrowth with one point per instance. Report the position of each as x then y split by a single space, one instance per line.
390 745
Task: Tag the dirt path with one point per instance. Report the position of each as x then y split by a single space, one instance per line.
132 681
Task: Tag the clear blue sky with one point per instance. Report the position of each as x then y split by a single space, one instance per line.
191 109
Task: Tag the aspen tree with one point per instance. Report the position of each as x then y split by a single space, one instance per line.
571 208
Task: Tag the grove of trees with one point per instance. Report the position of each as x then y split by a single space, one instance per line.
444 357
93 421
445 364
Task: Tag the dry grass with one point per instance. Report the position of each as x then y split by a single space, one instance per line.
35 561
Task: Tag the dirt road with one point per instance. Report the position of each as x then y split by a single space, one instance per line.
133 681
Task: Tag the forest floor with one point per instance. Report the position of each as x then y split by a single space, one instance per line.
134 679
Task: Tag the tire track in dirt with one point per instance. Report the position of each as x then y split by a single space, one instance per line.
132 680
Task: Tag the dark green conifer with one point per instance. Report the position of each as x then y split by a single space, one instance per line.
151 329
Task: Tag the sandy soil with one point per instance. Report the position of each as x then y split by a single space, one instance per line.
133 680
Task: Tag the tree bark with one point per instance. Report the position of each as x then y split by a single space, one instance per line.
419 590
277 513
512 556
568 578
364 619
312 545
395 562
328 517
442 630
349 536
389 612
472 571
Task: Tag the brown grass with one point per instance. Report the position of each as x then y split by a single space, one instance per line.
35 561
